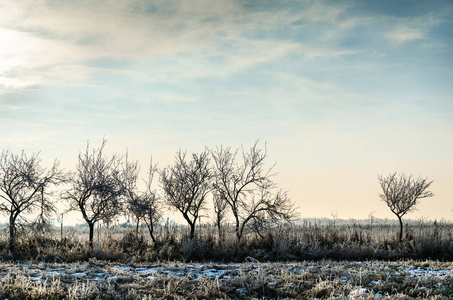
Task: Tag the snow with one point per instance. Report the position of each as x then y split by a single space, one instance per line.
419 272
40 272
36 278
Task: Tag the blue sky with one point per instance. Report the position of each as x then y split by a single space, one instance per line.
341 91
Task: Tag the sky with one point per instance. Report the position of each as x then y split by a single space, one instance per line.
340 91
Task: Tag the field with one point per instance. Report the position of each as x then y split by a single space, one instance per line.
314 259
323 279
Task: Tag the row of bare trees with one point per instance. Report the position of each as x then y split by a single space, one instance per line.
103 187
240 185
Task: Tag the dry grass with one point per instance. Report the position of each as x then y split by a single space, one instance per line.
309 241
307 261
324 279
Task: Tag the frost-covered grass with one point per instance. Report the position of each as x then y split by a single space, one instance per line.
307 241
322 279
310 260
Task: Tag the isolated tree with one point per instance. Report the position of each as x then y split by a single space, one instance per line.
98 186
145 205
372 218
24 187
186 185
401 193
247 187
334 215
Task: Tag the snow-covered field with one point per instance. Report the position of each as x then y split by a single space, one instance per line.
323 279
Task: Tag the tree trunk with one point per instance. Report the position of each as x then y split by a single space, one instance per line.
191 225
91 225
401 228
238 230
137 226
12 237
61 227
192 230
151 231
219 229
236 218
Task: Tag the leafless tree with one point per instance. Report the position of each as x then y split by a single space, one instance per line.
401 193
42 223
186 185
372 218
97 186
24 187
145 205
130 185
334 215
220 212
248 189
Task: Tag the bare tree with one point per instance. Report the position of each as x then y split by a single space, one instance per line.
145 205
372 218
186 185
97 187
401 193
47 209
247 188
131 170
24 187
220 212
334 215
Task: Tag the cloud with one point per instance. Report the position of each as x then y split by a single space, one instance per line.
46 41
324 52
54 43
14 84
27 60
57 43
405 34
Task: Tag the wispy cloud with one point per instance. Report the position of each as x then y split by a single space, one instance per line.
55 43
402 35
46 39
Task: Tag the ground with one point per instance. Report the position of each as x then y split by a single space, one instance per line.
253 279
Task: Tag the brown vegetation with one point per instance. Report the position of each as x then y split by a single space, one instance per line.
311 261
250 280
309 241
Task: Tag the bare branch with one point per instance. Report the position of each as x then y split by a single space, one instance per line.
401 193
99 184
186 185
24 187
247 188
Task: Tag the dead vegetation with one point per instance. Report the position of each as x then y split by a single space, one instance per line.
294 262
308 241
250 280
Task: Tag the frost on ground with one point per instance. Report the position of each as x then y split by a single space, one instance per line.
324 279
